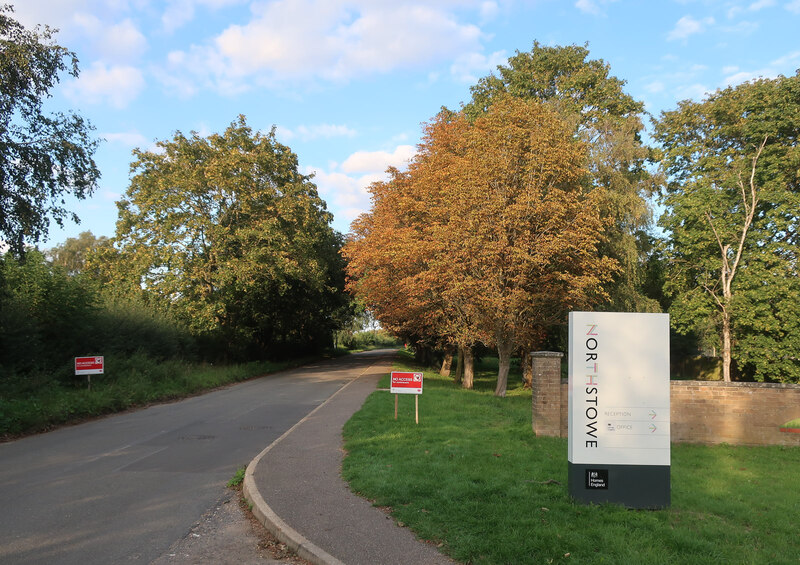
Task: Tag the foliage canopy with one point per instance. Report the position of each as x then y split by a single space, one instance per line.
487 237
732 201
43 157
227 233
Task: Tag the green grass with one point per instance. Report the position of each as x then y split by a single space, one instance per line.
41 402
792 423
238 477
473 478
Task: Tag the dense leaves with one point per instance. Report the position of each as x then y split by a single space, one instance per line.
43 157
48 316
732 200
608 120
224 231
487 237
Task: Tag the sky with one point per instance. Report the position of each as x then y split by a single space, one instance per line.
348 83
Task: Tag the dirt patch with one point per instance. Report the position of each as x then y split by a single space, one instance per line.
229 533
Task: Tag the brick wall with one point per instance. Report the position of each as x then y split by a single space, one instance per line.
718 412
734 413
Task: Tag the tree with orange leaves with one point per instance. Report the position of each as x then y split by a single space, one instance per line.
488 236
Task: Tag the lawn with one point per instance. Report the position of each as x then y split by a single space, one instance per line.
473 479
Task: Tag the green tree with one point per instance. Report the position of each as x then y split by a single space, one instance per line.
44 313
609 121
74 252
226 232
732 201
43 157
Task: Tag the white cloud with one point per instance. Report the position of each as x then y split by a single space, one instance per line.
588 7
344 187
760 5
488 11
687 26
310 40
346 196
742 28
118 42
654 87
318 131
592 7
788 62
743 76
179 12
471 66
117 85
694 91
793 6
128 139
378 161
782 65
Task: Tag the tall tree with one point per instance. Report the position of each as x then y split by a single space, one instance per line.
489 226
43 157
609 121
226 231
732 215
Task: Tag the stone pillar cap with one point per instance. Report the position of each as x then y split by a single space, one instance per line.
546 354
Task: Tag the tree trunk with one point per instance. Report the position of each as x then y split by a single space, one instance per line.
504 348
460 367
469 368
726 346
447 362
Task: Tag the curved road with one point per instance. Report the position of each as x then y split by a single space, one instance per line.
124 488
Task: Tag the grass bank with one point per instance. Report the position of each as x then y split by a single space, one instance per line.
41 402
472 478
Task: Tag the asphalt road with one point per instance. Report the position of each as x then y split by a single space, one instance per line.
124 488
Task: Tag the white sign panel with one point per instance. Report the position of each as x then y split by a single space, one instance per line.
619 388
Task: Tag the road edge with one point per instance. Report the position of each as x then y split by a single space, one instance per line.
298 543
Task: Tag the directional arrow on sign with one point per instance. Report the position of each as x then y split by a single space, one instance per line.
653 428
653 414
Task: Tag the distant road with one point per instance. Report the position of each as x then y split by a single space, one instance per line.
124 488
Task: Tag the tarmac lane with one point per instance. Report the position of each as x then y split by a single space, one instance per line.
124 488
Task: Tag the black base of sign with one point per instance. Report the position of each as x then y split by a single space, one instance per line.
634 486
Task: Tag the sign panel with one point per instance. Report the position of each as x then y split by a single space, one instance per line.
89 365
406 383
619 413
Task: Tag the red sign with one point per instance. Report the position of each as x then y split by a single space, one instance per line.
89 365
406 383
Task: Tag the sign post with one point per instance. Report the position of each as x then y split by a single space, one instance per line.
619 410
89 366
406 383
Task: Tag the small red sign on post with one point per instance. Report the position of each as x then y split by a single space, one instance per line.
406 383
89 365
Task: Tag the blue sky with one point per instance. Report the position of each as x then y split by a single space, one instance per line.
347 83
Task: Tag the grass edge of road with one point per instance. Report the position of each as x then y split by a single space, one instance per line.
474 480
29 406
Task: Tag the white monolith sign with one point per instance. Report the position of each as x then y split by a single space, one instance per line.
619 438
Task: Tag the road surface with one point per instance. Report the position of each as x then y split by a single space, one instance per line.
124 488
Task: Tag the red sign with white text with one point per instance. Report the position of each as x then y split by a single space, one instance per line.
406 383
89 365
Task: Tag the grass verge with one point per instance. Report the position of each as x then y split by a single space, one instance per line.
38 404
472 478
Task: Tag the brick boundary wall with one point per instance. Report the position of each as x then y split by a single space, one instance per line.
700 411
